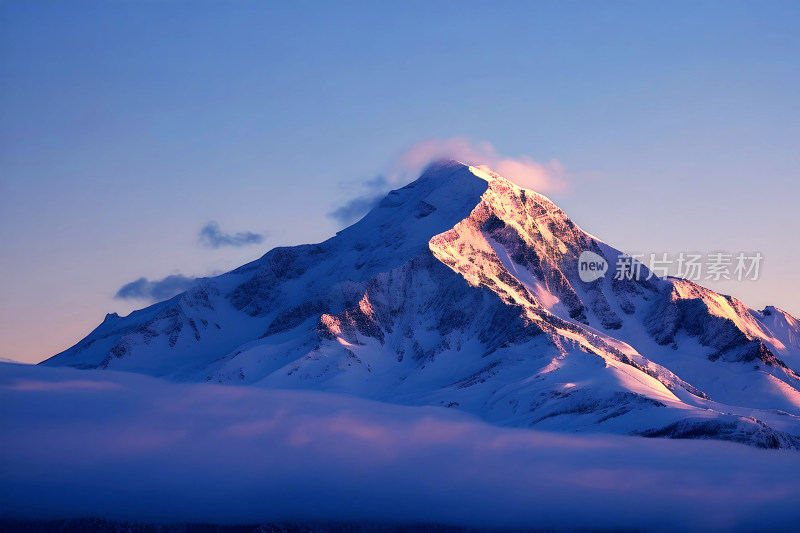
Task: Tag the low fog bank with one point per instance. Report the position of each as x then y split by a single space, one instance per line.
128 447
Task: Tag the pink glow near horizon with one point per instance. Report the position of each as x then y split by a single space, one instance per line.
61 386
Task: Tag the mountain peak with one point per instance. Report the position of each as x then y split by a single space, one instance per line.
463 289
444 169
440 166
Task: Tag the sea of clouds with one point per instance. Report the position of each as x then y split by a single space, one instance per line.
129 447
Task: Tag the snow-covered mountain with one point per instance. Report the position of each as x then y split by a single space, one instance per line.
462 290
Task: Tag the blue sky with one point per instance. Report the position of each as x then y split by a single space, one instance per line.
126 127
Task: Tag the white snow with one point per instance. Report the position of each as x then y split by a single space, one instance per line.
461 289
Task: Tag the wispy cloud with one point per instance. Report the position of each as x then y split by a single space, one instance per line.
355 208
547 177
212 237
375 189
155 290
523 170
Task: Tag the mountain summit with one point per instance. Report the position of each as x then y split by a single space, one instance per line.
463 290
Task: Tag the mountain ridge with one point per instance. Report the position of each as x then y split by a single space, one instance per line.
462 289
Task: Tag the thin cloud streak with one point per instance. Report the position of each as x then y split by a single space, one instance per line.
212 237
355 208
349 212
155 290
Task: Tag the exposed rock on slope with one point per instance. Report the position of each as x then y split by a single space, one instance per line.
462 289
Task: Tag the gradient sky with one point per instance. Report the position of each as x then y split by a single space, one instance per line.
126 127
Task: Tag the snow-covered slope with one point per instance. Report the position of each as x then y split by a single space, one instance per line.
462 289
